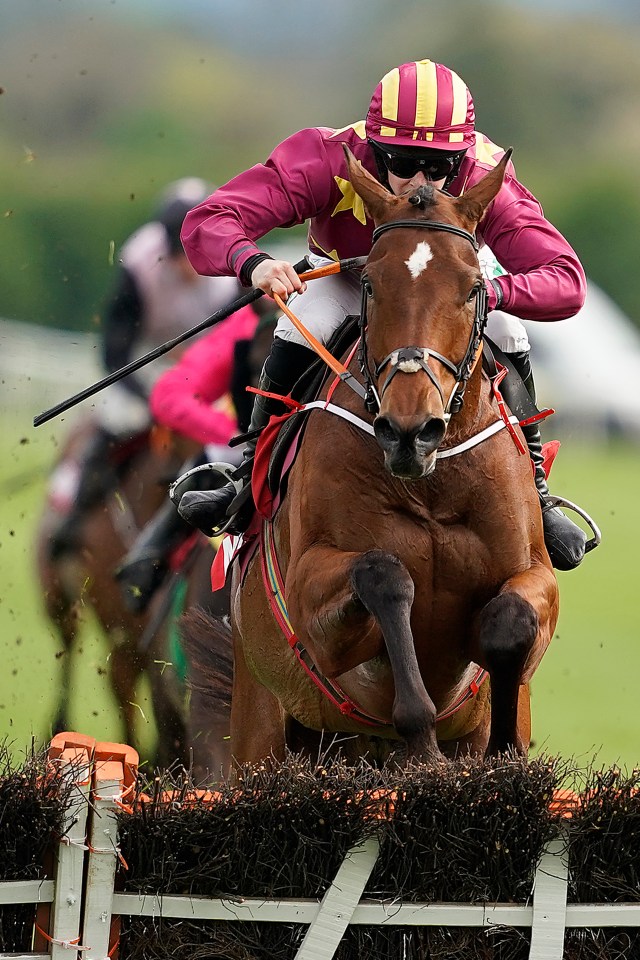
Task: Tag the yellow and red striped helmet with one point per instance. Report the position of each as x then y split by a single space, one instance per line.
422 104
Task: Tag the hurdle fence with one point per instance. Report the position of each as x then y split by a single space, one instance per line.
77 909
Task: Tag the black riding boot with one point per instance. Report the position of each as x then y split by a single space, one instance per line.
97 478
564 539
210 510
145 566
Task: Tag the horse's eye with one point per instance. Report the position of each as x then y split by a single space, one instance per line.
475 290
366 286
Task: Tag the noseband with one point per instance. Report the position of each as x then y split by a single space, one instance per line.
411 359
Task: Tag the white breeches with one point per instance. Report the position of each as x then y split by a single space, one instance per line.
326 303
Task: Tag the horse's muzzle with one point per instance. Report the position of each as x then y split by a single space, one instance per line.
409 452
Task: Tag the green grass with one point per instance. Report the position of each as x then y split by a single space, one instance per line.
584 694
585 699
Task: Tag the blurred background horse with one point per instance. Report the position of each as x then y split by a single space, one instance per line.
84 578
192 719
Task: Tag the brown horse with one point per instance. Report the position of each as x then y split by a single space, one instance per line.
85 577
409 567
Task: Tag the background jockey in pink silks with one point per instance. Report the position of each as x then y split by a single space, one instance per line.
156 296
183 398
419 128
202 398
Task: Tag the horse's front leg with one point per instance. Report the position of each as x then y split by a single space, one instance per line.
352 607
515 629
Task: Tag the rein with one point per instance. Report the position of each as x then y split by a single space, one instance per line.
410 359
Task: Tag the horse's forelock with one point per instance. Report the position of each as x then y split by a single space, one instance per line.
423 197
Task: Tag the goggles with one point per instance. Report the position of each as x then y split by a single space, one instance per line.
406 165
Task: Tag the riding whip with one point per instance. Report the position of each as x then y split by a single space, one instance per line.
302 268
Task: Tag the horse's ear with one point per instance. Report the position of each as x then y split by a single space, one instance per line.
378 201
475 201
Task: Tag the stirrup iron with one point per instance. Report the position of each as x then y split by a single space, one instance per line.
552 500
225 472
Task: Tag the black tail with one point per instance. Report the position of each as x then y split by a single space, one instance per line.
209 651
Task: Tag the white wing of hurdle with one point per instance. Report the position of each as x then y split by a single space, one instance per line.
64 892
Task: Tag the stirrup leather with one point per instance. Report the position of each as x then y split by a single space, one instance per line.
552 500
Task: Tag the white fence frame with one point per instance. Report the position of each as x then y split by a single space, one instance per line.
548 915
65 891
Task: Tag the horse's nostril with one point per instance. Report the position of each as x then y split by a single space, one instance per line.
390 435
432 432
386 433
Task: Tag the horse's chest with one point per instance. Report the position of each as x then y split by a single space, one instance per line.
442 554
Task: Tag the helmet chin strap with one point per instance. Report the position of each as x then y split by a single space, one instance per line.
454 173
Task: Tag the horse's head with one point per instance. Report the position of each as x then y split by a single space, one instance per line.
424 302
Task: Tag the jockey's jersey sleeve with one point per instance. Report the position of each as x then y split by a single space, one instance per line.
305 179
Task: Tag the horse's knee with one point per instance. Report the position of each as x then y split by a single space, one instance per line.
414 718
508 629
380 578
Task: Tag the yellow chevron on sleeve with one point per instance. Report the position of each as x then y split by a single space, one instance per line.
358 127
350 200
486 151
332 254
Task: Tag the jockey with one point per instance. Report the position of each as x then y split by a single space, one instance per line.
157 296
188 399
419 128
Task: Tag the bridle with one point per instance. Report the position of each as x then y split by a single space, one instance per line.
411 359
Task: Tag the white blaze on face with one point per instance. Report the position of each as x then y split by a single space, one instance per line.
419 259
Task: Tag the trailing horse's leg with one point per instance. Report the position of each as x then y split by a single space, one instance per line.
63 612
515 629
125 669
257 722
169 711
66 622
